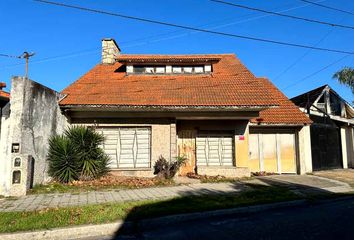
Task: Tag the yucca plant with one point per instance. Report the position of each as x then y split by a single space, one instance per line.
63 162
90 161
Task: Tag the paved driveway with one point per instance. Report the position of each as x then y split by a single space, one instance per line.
344 175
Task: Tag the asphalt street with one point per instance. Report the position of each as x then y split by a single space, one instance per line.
330 220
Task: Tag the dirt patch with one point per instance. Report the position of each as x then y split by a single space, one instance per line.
109 182
129 182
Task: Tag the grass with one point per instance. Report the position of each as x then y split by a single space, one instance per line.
104 213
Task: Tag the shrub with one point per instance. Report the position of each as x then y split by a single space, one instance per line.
93 162
167 170
63 162
76 155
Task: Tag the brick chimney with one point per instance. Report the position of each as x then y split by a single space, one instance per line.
110 51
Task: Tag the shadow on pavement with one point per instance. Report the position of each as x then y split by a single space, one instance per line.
264 190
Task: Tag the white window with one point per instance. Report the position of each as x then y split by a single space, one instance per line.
199 69
160 70
188 69
176 69
127 147
207 68
215 149
149 70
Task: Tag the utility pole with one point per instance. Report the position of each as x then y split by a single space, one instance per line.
26 56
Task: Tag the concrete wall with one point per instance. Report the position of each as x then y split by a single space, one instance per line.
32 116
304 151
346 134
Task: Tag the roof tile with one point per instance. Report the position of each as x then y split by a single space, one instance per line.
230 84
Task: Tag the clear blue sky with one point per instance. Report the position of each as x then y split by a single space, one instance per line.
67 42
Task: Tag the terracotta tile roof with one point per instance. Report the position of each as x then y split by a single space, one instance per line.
286 113
230 84
3 94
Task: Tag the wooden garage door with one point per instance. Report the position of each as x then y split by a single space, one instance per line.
214 149
127 147
272 152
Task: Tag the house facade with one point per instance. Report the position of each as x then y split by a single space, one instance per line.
332 131
209 108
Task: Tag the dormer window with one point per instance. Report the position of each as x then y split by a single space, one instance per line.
177 69
160 70
138 69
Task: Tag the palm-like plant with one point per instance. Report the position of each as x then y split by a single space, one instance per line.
80 145
346 77
63 164
92 160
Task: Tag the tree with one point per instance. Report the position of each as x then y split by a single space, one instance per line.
346 77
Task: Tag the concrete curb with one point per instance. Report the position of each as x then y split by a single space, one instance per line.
67 233
111 228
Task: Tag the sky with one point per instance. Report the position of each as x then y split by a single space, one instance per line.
67 42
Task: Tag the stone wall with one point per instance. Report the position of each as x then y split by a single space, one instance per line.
31 117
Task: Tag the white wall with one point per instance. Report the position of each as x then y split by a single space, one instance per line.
305 155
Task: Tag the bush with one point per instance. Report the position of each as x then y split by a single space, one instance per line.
167 170
76 155
63 162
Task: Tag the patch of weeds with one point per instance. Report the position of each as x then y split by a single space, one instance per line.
215 179
105 183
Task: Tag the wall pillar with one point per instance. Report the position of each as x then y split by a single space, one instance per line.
304 153
345 152
241 147
173 141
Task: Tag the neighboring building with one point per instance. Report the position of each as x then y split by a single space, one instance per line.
332 130
208 107
4 99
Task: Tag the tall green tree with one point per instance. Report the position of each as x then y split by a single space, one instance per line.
346 77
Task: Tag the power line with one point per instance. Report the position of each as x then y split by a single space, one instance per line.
144 40
69 55
284 15
328 7
302 56
316 72
9 56
306 53
194 28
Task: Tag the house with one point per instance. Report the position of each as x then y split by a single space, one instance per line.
332 129
209 108
4 99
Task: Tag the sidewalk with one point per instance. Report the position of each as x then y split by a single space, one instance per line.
42 201
299 184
